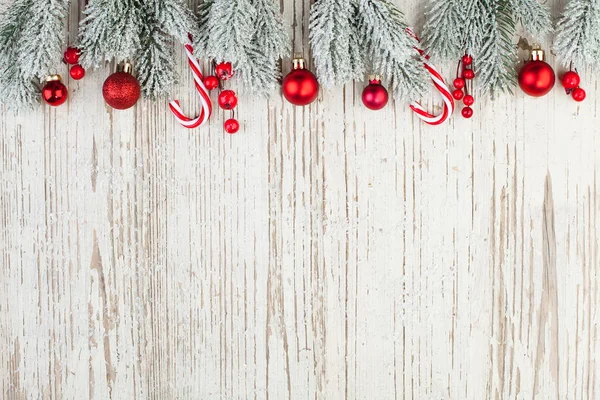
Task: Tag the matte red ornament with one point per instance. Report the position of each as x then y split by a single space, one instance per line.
469 100
578 94
570 80
467 59
375 96
224 71
54 91
536 78
227 100
467 112
468 74
459 83
211 82
71 55
231 126
77 72
300 87
458 94
121 90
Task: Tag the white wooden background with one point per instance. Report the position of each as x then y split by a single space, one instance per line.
325 252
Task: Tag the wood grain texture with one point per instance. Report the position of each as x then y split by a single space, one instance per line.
324 252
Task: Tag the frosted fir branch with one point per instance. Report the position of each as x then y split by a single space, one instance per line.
334 44
533 16
112 29
496 59
444 29
203 35
390 48
578 34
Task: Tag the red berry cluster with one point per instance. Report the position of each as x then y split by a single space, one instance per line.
570 81
227 98
463 84
71 57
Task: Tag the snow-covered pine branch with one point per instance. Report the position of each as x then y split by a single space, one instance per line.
533 16
390 48
334 42
443 32
578 34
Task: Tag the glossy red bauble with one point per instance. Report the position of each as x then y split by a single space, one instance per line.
468 74
211 82
570 80
231 126
467 112
71 55
467 59
227 100
536 78
77 72
578 94
375 96
54 91
458 94
121 90
459 83
469 100
300 87
224 71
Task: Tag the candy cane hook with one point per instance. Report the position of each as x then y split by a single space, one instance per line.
206 111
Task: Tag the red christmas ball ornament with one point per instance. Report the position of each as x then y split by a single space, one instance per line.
467 112
459 83
231 126
211 82
578 94
77 72
570 80
458 94
54 91
467 59
224 71
469 100
71 55
300 87
121 90
537 78
375 96
468 74
227 100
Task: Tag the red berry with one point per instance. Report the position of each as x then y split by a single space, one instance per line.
77 72
224 71
71 55
231 126
227 100
578 94
458 94
468 74
467 112
469 100
467 59
570 80
211 82
459 83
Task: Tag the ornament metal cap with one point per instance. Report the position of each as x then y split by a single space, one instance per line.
54 77
126 67
374 77
298 62
537 54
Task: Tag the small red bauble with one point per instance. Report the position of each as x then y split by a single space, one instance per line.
578 94
467 59
71 55
211 82
54 91
468 74
570 80
227 100
469 100
231 126
224 71
375 96
300 87
458 94
459 83
536 78
467 112
77 72
121 90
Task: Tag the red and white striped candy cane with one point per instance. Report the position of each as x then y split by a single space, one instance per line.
440 85
206 111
